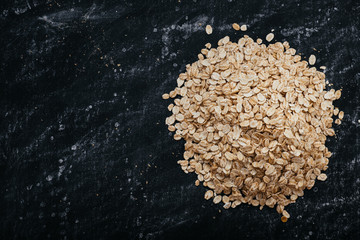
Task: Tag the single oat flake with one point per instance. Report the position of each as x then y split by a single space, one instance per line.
312 59
255 119
269 37
236 26
208 29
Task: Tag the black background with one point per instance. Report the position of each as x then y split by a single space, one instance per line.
84 151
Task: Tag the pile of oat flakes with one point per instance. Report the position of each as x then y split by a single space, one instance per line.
255 118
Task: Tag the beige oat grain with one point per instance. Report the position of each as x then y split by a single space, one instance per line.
269 37
208 29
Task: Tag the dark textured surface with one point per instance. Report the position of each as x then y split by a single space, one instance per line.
84 152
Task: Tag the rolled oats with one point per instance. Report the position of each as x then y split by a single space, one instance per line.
312 59
269 37
217 199
254 119
236 26
165 96
322 177
341 115
208 29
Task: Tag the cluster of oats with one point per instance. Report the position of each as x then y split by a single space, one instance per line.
255 120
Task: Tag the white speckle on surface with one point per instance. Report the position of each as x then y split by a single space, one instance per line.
62 214
49 178
88 108
73 147
61 127
165 38
164 51
89 12
19 11
173 55
116 124
298 31
61 170
186 29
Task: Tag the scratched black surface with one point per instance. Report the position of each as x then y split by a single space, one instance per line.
85 153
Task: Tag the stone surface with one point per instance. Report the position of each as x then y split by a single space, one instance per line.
84 151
